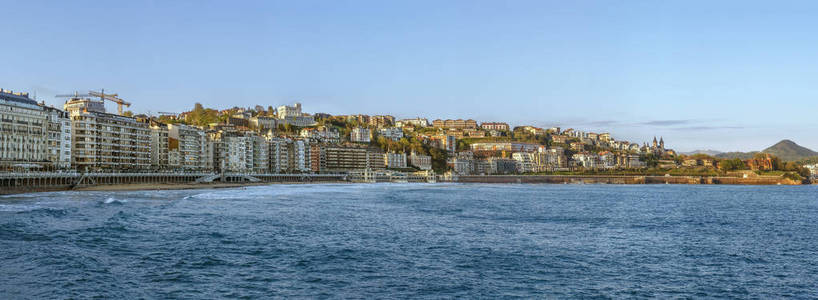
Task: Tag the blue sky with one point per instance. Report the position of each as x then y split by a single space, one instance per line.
725 75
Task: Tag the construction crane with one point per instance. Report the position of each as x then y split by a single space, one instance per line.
102 96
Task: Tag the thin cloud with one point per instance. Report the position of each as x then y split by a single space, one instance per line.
666 122
599 123
707 128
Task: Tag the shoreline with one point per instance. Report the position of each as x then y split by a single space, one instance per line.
495 179
151 187
627 179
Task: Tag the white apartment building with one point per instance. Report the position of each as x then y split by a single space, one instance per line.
556 158
278 153
417 122
393 133
160 147
299 121
209 154
59 137
241 152
525 162
499 165
107 141
549 159
462 166
293 115
586 160
323 134
174 159
76 105
261 155
499 126
300 156
23 131
449 143
234 154
191 144
288 156
423 162
262 123
505 146
285 111
607 160
360 135
395 160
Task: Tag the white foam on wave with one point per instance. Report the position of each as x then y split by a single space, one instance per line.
18 207
24 196
296 191
267 191
111 200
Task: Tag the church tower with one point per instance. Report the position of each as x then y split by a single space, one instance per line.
655 144
662 143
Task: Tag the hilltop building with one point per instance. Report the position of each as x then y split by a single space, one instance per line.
381 121
495 126
284 111
417 122
455 124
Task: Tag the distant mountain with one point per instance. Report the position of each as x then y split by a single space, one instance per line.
708 152
786 150
789 151
739 155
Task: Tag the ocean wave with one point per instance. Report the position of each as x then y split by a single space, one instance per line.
264 192
112 200
18 207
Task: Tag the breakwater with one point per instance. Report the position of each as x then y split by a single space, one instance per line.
623 179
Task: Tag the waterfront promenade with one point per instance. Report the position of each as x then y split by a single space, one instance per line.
27 182
13 183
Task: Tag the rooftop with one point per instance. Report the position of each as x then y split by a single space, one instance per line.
21 98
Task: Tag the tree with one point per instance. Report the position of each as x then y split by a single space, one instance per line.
439 158
462 145
804 172
650 159
732 164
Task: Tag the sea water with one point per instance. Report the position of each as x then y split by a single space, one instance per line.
413 241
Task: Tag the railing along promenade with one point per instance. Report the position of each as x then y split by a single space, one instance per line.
58 180
38 181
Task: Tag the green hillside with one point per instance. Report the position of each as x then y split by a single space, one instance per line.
790 151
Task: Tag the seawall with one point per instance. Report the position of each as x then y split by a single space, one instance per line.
45 182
